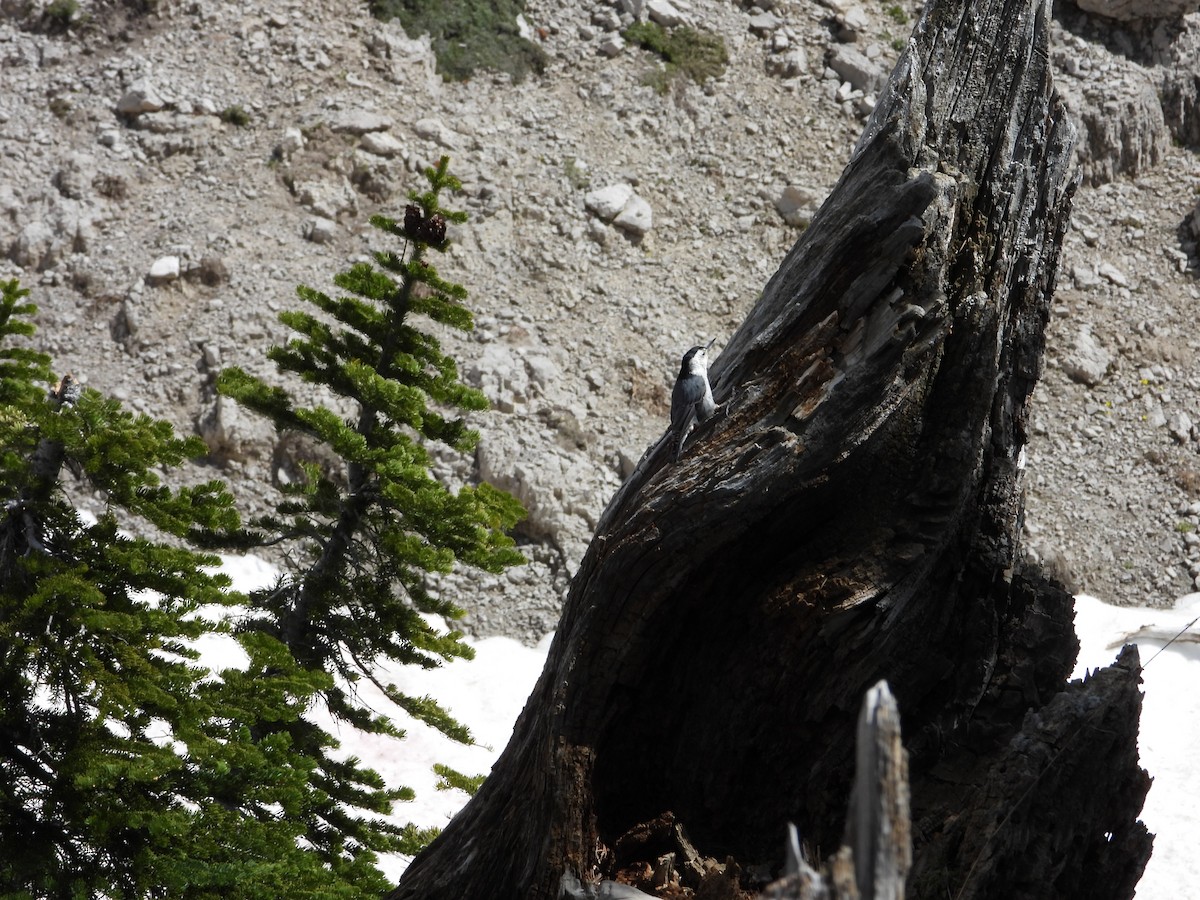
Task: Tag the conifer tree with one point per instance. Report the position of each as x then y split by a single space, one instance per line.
127 769
362 544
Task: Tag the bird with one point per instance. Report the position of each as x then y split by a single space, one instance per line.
691 398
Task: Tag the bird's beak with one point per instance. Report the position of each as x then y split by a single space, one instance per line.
710 343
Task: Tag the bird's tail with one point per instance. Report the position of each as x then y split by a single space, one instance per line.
680 436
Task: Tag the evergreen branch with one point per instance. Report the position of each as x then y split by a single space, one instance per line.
453 780
362 548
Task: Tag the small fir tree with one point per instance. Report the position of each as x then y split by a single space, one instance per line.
127 769
362 547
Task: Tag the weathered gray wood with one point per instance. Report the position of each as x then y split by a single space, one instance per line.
1053 813
877 853
878 827
854 514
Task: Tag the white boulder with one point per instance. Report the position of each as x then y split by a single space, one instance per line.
607 202
163 270
636 217
142 97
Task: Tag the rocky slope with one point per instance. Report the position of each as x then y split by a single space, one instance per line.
170 177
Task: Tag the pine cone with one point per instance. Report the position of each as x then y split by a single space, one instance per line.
67 390
433 230
413 219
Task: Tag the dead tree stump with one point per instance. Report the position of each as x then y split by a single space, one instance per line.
852 514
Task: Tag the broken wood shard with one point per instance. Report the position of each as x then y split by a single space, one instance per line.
878 828
875 858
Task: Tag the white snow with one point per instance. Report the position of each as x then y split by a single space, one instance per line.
488 693
1170 728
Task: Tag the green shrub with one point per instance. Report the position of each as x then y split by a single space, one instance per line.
60 107
698 55
234 115
61 14
468 35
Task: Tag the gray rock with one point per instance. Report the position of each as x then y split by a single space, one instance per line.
34 247
18 53
852 19
10 203
109 137
789 64
664 13
798 205
1122 131
636 217
1179 425
229 432
854 67
598 231
764 23
142 97
611 44
560 489
501 375
380 143
1133 10
607 202
1084 276
212 355
1112 274
847 92
542 371
606 19
320 230
435 130
635 8
128 320
168 122
406 60
74 179
163 270
329 199
1086 362
1179 89
359 121
292 141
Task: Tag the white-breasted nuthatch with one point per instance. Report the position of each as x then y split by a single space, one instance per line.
691 398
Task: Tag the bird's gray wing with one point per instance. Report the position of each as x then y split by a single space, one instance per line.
684 397
706 407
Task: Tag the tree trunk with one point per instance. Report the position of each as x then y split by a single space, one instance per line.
851 514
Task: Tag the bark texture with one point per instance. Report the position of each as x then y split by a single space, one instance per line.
851 514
